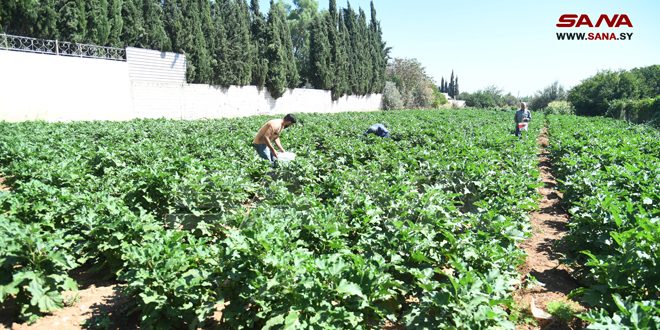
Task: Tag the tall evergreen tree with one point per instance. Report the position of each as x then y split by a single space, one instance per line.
19 17
364 51
132 33
300 20
198 54
98 25
155 35
217 44
259 36
72 20
451 84
456 91
235 59
292 76
175 25
339 43
46 24
378 53
442 85
276 80
321 69
352 48
116 23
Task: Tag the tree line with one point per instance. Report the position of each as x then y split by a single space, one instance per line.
450 87
226 42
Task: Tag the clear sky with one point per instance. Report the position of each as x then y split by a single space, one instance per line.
512 44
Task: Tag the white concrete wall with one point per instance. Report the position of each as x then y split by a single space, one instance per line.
60 88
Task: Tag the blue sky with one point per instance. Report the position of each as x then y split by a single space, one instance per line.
512 43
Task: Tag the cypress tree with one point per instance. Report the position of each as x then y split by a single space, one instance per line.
236 55
259 36
451 84
352 47
300 20
321 70
199 54
175 26
292 76
442 85
364 51
46 24
276 80
116 23
98 25
218 46
456 91
19 17
72 20
339 43
155 36
378 62
132 33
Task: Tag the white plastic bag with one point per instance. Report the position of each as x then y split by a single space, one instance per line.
286 156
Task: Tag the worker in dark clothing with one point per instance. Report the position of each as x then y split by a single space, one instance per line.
379 130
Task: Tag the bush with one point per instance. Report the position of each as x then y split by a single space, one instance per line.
559 108
439 99
541 99
391 97
637 111
594 95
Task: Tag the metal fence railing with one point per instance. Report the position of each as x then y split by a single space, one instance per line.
63 48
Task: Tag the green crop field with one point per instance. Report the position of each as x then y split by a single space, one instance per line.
419 230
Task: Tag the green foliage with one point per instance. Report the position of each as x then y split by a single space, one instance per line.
415 86
278 69
259 44
645 110
98 25
490 97
321 73
608 172
300 24
226 42
559 108
561 310
541 99
391 97
420 230
439 99
72 20
155 36
233 51
116 23
133 23
594 95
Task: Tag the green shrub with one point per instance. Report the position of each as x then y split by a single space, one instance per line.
637 111
559 108
391 97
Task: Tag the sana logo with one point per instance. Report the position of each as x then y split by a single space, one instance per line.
583 20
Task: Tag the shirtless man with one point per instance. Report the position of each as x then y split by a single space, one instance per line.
269 133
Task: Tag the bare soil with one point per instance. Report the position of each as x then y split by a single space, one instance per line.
93 305
544 251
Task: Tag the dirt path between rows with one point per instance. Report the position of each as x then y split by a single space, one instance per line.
549 225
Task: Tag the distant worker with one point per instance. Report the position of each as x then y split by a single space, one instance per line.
269 133
522 118
379 130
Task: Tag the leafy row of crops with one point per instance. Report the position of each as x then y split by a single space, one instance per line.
610 174
418 230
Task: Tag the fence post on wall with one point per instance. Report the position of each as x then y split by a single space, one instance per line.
5 43
57 47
